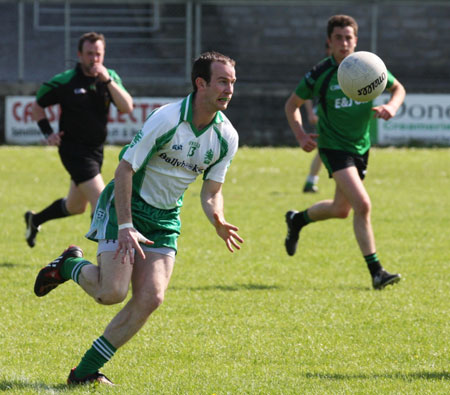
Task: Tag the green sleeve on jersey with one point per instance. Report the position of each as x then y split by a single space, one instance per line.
122 151
115 77
55 82
390 80
303 91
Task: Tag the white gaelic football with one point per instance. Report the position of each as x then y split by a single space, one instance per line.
362 76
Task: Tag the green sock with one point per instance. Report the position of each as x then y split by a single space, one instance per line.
306 217
100 353
373 263
71 268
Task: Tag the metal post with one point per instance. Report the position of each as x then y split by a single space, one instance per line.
21 43
374 30
188 39
156 15
67 49
198 29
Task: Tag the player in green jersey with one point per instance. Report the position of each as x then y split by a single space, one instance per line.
136 222
343 140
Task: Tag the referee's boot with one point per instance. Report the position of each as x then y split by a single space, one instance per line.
31 230
383 278
49 277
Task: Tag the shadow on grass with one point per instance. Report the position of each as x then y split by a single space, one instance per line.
12 385
354 288
345 288
395 375
231 288
8 264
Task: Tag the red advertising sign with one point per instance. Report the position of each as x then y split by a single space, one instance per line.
21 129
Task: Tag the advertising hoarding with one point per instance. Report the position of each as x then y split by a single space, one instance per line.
20 129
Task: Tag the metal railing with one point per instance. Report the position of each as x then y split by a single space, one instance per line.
78 18
133 26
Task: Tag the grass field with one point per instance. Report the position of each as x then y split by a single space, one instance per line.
253 322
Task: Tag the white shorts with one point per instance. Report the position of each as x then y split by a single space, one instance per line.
111 246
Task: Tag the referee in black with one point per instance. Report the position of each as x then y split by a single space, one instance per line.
84 95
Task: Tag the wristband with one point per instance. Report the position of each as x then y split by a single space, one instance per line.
108 82
126 225
45 127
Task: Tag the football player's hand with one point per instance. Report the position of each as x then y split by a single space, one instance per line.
228 233
55 138
313 119
384 111
308 141
100 71
128 243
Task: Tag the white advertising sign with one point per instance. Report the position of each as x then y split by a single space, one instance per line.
21 129
422 119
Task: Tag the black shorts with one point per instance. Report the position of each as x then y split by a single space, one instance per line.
335 160
82 162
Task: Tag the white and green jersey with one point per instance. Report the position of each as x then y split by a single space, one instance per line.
169 153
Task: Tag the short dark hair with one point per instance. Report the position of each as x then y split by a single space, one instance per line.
92 37
341 21
202 66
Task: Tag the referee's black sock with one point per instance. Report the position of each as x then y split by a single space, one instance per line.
301 219
57 209
373 263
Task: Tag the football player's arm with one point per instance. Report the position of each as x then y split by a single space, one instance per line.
312 116
294 118
128 237
38 115
212 203
388 110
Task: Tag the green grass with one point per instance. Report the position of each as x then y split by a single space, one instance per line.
253 322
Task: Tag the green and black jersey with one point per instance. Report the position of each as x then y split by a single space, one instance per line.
344 124
84 105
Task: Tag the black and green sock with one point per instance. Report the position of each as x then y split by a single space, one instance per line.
301 219
100 353
373 263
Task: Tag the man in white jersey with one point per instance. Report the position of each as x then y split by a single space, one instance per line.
136 222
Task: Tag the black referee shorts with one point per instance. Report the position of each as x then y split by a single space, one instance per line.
82 162
335 160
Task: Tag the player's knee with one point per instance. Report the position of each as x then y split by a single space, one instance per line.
363 208
342 212
112 295
153 302
78 211
157 300
75 209
150 303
